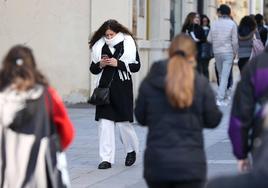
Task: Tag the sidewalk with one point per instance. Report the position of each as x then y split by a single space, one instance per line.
83 154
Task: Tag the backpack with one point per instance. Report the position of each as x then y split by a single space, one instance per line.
257 47
32 151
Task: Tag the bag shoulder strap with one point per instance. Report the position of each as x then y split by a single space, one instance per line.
119 54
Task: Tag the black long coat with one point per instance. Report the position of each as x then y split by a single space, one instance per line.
175 149
121 91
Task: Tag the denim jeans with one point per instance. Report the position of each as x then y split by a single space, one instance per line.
224 63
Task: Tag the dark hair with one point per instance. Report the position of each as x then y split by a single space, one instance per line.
19 68
201 19
109 24
224 10
188 21
246 26
259 19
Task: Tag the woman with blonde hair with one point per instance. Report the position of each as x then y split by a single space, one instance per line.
176 103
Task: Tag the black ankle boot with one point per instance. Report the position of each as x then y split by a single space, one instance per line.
104 165
131 158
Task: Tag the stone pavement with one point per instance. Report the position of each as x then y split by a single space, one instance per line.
83 154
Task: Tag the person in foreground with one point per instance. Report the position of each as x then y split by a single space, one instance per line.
114 58
30 113
256 176
245 126
176 103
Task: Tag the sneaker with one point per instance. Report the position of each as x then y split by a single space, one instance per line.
222 103
229 94
131 158
104 165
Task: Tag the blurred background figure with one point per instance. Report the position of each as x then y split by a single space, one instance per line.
261 28
114 58
193 28
246 33
230 78
206 47
176 103
31 112
223 36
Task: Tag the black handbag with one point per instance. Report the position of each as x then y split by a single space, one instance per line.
101 95
206 51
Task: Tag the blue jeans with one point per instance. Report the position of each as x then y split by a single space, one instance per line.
224 63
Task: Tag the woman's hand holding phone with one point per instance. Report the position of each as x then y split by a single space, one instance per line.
103 61
112 62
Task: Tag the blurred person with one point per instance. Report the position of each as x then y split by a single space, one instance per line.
176 103
205 23
193 28
223 36
261 28
206 48
30 109
246 33
116 42
255 177
230 78
247 110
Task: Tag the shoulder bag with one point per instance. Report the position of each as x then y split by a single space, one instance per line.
101 95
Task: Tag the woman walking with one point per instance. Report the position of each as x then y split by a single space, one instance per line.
114 58
176 103
246 33
32 116
206 47
193 28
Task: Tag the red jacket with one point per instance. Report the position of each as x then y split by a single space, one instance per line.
61 119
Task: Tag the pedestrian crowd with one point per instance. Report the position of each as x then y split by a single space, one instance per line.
175 101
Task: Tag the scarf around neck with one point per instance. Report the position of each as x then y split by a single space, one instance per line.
128 57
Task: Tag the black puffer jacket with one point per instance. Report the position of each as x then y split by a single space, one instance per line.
175 149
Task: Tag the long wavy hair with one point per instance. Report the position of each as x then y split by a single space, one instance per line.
113 25
188 21
180 72
202 22
19 68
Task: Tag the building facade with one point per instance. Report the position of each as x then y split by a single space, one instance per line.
58 32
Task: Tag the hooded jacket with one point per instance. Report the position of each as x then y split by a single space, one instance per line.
247 109
175 148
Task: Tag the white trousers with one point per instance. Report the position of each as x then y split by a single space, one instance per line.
107 139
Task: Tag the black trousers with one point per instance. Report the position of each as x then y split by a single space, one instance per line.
188 184
202 67
242 62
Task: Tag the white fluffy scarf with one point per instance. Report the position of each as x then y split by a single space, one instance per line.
129 55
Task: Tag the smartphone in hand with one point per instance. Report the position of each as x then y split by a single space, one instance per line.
104 56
